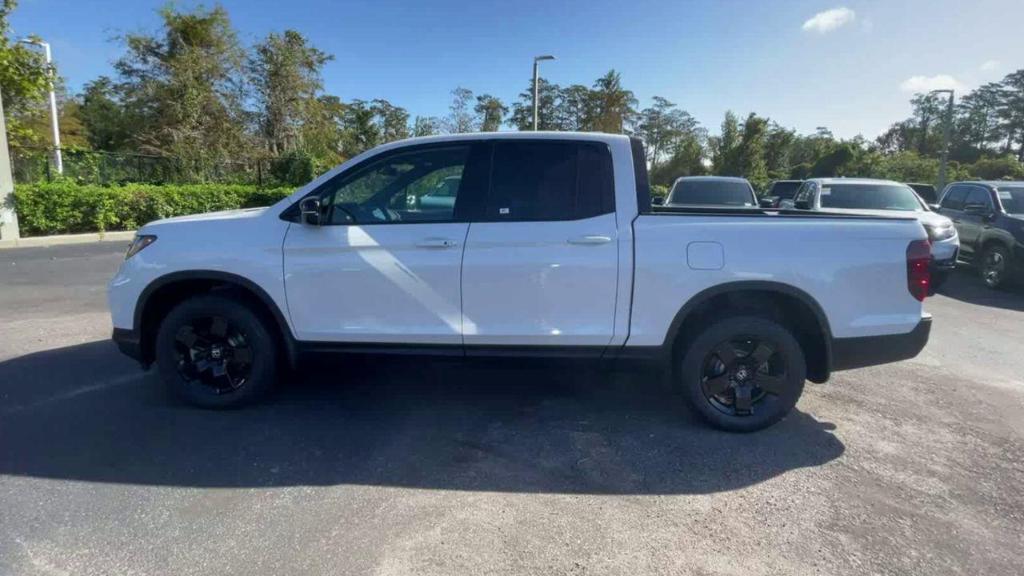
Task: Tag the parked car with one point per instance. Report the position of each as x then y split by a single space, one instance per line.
552 248
882 197
780 194
926 192
711 191
990 219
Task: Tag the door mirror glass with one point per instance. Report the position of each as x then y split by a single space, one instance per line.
310 210
802 204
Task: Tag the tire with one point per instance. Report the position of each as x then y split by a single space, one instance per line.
995 266
742 405
215 352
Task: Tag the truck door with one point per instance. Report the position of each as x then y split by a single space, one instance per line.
385 266
541 265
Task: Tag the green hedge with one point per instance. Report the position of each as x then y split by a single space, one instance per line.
68 208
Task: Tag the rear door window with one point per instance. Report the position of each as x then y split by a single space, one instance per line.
978 195
543 181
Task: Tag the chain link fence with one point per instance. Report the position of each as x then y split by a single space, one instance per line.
30 165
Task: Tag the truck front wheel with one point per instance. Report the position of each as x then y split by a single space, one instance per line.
215 352
743 373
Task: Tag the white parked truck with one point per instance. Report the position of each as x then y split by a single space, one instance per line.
550 248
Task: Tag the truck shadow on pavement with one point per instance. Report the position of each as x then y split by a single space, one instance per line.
86 413
965 285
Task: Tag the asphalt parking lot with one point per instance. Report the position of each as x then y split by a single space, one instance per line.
408 467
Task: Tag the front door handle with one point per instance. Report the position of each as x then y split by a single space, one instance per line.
590 239
436 243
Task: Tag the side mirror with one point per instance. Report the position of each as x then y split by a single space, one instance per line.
934 207
310 210
766 202
801 204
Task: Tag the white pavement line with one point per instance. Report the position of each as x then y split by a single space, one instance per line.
119 381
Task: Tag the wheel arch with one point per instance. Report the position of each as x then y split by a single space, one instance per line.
168 290
778 301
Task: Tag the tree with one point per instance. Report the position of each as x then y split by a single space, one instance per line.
24 81
490 113
426 126
184 88
661 126
778 149
361 130
575 109
392 121
286 74
460 118
724 153
750 153
614 106
548 96
106 122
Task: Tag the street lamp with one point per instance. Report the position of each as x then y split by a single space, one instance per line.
57 160
945 137
536 60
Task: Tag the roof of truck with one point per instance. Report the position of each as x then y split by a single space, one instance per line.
725 178
830 181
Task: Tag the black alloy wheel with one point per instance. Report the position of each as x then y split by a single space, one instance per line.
742 373
214 353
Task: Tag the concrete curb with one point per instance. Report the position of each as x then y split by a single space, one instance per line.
45 241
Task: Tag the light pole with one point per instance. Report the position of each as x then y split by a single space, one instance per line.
58 162
945 137
536 79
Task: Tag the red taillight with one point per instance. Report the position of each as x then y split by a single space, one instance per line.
919 275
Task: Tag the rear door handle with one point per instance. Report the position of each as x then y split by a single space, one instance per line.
436 243
590 239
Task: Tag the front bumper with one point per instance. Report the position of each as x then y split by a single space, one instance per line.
849 353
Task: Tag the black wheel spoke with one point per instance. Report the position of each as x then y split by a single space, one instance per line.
770 384
187 336
762 353
743 404
242 355
718 385
219 327
726 353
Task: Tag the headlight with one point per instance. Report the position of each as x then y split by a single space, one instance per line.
943 232
138 243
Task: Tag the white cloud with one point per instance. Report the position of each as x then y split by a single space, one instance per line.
919 84
990 65
829 20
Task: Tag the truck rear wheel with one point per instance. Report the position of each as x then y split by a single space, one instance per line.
215 352
743 373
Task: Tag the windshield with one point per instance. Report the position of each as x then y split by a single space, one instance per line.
784 190
1012 199
711 193
869 197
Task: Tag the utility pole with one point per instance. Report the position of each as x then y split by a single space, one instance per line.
946 127
536 80
58 162
8 217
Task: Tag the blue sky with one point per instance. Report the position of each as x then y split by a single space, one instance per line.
850 66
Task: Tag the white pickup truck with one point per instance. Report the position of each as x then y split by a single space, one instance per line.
550 247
